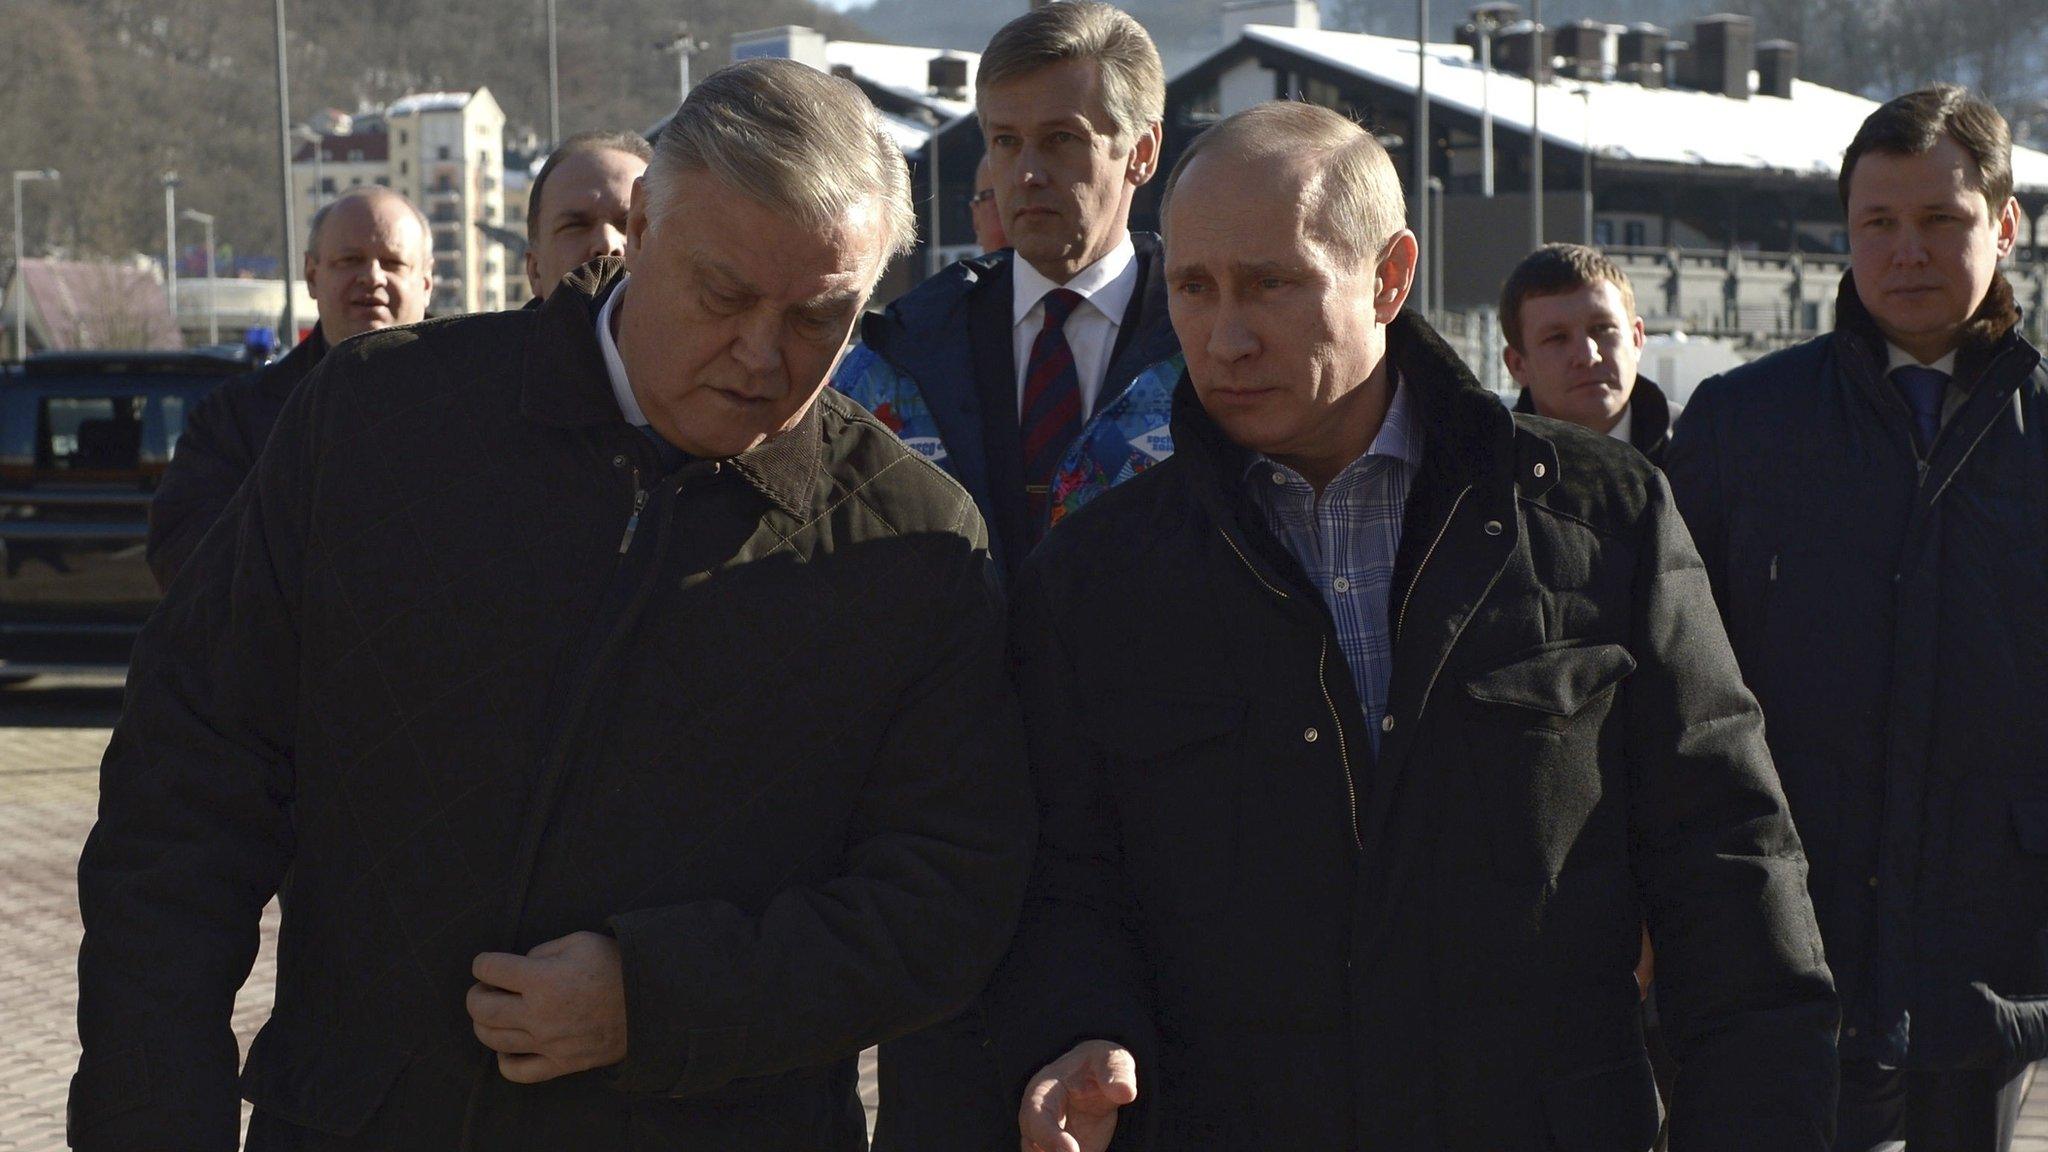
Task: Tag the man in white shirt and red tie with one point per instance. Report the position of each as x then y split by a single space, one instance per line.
1001 368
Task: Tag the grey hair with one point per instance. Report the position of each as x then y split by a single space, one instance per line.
1352 200
1133 80
365 191
792 138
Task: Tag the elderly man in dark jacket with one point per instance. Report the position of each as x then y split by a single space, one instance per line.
369 265
1437 714
1872 507
621 722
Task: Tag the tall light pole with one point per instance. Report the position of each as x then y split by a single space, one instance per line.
284 176
684 46
1436 246
20 291
1420 150
1539 63
170 180
1586 166
1486 109
554 83
212 313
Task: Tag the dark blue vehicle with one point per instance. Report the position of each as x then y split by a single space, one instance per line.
84 438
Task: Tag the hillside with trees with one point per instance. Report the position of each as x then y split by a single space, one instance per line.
115 92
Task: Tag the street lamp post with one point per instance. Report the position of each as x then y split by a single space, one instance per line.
170 180
212 313
1486 109
284 174
684 46
1539 63
1585 94
554 83
1420 149
1436 247
23 176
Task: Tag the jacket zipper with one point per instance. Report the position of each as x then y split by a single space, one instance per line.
1329 701
633 521
1402 620
1343 752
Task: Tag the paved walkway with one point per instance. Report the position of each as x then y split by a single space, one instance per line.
48 794
48 790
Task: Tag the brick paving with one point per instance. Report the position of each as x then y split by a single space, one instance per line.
48 790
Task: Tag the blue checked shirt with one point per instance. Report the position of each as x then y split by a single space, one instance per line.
1346 542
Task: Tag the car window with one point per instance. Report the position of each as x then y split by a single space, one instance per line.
89 433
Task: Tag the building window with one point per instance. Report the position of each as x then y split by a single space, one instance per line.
446 270
441 153
384 181
403 138
1603 233
1632 234
405 167
327 184
355 154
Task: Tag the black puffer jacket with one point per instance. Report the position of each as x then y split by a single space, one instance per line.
1891 613
1310 950
223 436
438 684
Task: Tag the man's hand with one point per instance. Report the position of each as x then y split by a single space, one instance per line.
1072 1103
560 1008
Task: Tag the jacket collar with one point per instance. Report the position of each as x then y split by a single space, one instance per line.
566 386
1988 331
1650 413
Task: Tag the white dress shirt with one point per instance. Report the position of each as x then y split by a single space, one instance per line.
1105 288
615 368
1626 424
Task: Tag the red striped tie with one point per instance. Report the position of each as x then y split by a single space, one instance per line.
1052 406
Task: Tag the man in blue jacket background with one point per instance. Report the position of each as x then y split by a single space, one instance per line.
1012 370
1871 506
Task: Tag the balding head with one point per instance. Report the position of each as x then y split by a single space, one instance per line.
1350 193
369 262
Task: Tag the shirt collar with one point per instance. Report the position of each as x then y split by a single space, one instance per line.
1106 284
615 368
1398 437
1897 357
1624 427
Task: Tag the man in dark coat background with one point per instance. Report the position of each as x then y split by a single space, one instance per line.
619 715
576 208
369 265
973 370
1437 713
1872 506
1574 343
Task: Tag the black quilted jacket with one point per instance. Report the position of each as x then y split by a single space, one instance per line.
420 687
1313 948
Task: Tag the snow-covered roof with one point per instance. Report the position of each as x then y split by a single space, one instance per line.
1805 135
903 69
429 102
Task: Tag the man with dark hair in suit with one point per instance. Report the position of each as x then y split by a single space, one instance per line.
1038 375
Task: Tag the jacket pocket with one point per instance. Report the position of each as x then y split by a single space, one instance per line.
1557 681
305 1078
2030 824
1536 726
1176 770
1611 1108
